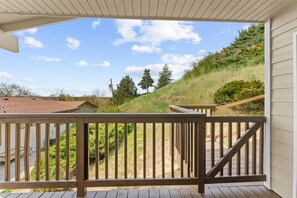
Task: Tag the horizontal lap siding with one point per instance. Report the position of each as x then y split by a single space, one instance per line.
282 28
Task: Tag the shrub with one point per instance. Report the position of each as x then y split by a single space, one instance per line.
92 130
240 90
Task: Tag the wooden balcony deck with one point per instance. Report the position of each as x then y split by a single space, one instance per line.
211 191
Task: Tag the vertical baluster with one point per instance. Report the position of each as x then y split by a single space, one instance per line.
201 149
229 146
222 143
261 149
116 150
7 152
18 150
0 134
97 151
177 137
182 157
192 149
26 152
163 150
135 150
247 147
47 144
238 160
38 152
185 133
107 149
67 151
126 151
212 142
189 149
154 150
144 150
254 151
172 150
196 151
57 151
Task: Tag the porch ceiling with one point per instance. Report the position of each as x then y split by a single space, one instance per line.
21 14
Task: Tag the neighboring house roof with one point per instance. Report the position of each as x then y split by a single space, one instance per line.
38 105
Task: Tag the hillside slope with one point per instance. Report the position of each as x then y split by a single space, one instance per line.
246 50
198 90
243 59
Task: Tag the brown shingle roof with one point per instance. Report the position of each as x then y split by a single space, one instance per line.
36 105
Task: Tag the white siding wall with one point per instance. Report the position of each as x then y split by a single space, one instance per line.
282 28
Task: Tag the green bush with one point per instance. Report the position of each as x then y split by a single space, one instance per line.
240 90
62 161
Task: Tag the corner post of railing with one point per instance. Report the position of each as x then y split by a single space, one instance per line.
82 156
201 153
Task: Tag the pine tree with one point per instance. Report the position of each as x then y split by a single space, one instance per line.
146 81
165 77
126 90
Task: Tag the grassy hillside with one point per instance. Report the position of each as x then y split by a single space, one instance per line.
198 90
243 59
246 50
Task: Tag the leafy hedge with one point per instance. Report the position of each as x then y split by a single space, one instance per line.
52 153
239 90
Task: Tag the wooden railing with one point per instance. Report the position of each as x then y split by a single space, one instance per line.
209 110
181 148
142 150
234 147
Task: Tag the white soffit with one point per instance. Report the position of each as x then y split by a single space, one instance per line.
20 14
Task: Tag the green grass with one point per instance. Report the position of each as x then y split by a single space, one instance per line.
195 90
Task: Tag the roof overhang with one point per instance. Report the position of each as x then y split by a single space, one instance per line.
20 14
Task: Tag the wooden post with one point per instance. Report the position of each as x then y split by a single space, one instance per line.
82 156
201 154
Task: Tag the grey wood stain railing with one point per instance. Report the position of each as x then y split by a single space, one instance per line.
181 148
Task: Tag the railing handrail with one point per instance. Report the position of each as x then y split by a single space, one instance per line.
189 131
182 110
91 115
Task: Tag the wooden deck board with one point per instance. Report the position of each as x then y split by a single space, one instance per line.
211 191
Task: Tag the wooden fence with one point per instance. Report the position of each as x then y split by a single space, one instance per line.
180 148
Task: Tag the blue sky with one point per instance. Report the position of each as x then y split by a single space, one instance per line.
82 55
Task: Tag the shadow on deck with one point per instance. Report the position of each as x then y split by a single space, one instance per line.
211 191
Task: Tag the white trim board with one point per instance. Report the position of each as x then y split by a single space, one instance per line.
267 79
295 114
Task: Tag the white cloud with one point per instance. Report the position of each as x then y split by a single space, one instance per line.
127 29
72 43
177 63
247 26
6 75
30 80
33 43
46 59
82 63
223 32
145 49
105 64
29 31
177 70
202 51
95 24
185 59
155 32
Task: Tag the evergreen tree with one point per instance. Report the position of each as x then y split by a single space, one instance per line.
126 90
146 81
165 77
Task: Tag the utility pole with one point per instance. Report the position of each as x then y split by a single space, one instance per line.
112 91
